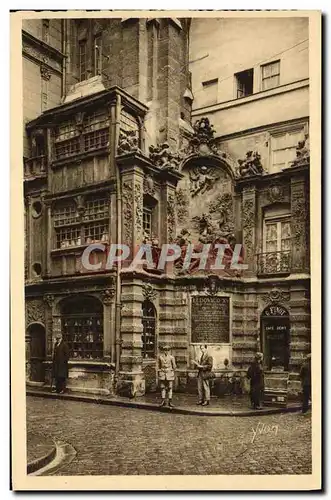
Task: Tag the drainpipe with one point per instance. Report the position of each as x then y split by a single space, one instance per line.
116 131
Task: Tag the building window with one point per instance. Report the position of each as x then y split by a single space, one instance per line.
277 239
98 54
73 229
147 221
244 82
148 336
82 327
270 75
82 60
283 149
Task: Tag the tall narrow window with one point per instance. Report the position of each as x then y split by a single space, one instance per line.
244 81
283 149
148 336
82 61
147 221
270 75
98 54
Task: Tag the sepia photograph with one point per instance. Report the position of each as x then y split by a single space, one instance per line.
170 321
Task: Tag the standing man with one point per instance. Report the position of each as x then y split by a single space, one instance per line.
256 377
167 367
60 364
305 376
204 366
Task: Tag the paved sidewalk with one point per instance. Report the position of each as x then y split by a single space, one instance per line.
40 451
183 403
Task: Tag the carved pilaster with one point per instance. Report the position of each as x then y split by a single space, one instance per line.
127 203
300 220
248 226
138 211
34 311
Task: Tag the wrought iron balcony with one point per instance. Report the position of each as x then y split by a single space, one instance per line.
274 263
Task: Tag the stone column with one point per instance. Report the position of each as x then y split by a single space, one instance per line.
300 225
108 327
248 219
131 378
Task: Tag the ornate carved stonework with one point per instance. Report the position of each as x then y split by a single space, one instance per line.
298 210
203 142
248 223
276 193
149 187
45 72
127 203
202 178
212 284
49 299
302 153
108 295
148 292
164 158
250 166
138 198
181 205
223 208
171 218
128 142
34 311
276 296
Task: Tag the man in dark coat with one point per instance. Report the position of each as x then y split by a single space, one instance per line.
204 366
256 377
305 376
60 364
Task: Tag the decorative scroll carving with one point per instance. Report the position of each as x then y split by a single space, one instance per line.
49 299
127 197
250 166
171 218
138 198
45 72
164 158
203 141
298 217
276 296
302 153
182 204
202 178
35 311
248 223
149 292
149 187
108 295
128 142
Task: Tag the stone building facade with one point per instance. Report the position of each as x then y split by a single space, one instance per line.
114 153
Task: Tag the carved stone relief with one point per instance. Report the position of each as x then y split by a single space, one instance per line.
128 142
250 166
248 224
138 199
34 311
171 218
276 296
149 292
127 203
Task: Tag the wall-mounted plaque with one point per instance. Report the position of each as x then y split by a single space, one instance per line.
210 320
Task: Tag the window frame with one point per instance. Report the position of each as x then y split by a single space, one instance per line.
274 167
97 54
264 78
278 219
82 43
144 320
237 82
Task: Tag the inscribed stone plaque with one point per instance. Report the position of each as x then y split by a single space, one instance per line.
210 319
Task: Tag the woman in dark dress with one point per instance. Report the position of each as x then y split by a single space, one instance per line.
256 377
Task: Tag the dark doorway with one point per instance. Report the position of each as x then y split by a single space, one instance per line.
275 337
37 352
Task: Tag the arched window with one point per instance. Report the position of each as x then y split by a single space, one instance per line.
148 336
82 327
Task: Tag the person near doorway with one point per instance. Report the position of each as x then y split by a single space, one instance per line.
205 366
60 364
256 377
305 377
166 369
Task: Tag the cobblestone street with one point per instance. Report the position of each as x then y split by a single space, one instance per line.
113 440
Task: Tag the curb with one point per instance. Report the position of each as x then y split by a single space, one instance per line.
41 462
155 407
